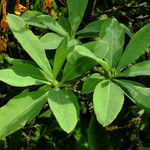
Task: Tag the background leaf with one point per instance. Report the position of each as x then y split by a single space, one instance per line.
108 100
91 82
51 41
136 47
97 136
52 24
63 108
136 92
30 17
76 10
92 28
19 110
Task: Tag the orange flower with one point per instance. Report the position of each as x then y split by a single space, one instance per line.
4 24
19 9
47 5
3 45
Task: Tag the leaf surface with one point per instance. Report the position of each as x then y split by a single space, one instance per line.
29 42
136 47
108 100
62 104
136 92
20 110
60 56
140 69
76 10
51 41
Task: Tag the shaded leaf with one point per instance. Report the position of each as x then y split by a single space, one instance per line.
91 82
97 136
60 56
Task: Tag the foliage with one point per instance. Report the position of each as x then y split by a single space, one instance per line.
95 60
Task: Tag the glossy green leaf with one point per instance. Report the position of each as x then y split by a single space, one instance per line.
29 42
136 92
136 47
20 110
51 41
108 99
97 136
99 48
91 82
114 35
23 74
52 24
76 10
140 69
60 56
64 109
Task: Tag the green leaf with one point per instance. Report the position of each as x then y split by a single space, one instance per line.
136 92
64 109
92 28
76 66
108 100
136 47
127 30
23 74
140 69
20 110
99 48
64 22
87 53
114 35
79 62
76 10
52 24
30 17
60 56
91 82
51 41
97 136
29 42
